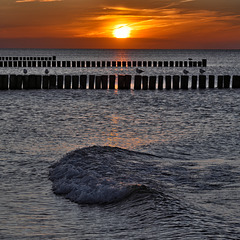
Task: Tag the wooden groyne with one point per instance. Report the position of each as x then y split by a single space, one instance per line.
136 82
39 62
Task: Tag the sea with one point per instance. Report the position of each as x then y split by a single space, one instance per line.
121 164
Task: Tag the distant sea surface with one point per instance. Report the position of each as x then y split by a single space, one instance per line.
121 164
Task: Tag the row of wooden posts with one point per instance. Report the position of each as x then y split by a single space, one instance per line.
14 82
11 58
83 64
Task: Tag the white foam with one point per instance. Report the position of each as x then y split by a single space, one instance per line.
84 186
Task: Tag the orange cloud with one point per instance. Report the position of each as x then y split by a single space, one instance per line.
27 1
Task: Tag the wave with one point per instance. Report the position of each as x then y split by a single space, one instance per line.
99 175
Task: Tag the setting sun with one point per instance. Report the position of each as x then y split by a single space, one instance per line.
122 31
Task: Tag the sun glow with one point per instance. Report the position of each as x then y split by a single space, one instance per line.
122 31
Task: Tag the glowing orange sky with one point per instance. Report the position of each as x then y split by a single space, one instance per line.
90 24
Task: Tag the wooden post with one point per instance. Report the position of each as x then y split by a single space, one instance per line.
13 82
202 82
121 81
137 82
160 82
211 81
60 81
25 82
184 82
190 63
32 82
194 82
128 81
52 82
226 81
58 64
63 64
68 81
134 63
185 63
45 82
103 64
165 63
75 82
176 63
204 62
152 83
87 64
38 81
98 82
108 64
145 82
168 80
112 82
220 82
93 64
113 63
118 63
171 64
236 82
83 81
160 64
104 79
124 64
154 63
139 63
176 82
199 63
83 64
194 63
91 81
73 64
149 63
129 64
19 82
98 64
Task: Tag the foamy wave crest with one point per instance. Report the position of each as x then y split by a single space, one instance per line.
93 176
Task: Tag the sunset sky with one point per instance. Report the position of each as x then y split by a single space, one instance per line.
155 24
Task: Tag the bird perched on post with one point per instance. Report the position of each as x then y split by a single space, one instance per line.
139 70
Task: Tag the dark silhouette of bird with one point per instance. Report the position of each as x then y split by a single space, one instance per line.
201 71
185 71
25 71
139 70
46 71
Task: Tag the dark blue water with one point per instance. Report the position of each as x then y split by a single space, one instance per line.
96 164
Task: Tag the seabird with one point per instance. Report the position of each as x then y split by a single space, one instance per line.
201 71
139 70
25 71
46 71
185 71
190 59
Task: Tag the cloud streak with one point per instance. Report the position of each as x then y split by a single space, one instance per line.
29 1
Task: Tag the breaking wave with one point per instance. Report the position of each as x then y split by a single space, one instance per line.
98 175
